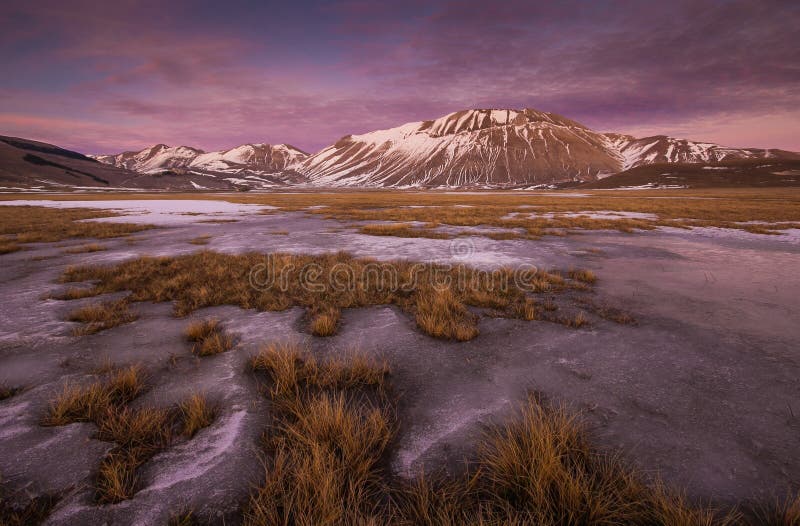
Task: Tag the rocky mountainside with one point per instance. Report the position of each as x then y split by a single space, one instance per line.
257 165
499 148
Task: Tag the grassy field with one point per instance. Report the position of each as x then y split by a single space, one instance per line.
521 214
32 224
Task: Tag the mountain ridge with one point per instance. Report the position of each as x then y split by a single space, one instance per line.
473 148
500 148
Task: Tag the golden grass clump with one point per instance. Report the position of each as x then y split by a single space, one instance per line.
325 323
781 512
101 316
74 293
584 276
401 230
209 337
291 368
83 249
138 434
436 296
89 403
539 468
196 414
440 314
201 240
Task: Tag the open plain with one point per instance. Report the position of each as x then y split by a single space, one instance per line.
664 322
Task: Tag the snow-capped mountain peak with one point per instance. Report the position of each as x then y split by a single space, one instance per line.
258 164
475 148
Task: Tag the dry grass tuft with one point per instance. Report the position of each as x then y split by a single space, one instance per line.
783 512
83 249
326 443
201 240
401 230
209 337
437 296
584 276
74 293
325 323
138 434
102 316
92 402
608 312
440 314
577 321
291 368
196 414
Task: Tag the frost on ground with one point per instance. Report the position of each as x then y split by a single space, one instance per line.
163 212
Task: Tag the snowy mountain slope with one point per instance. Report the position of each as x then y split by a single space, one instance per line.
497 148
662 149
466 148
155 159
248 164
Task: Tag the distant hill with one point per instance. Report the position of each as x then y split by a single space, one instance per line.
738 173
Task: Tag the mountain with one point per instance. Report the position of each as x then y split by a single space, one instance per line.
27 164
662 149
31 165
258 165
499 148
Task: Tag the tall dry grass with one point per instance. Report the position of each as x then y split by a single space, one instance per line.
209 337
100 316
437 297
333 431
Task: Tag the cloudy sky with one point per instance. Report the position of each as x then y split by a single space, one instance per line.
103 77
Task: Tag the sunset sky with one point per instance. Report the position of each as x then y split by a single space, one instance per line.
103 77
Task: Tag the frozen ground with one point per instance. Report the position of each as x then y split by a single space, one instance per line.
157 211
703 390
